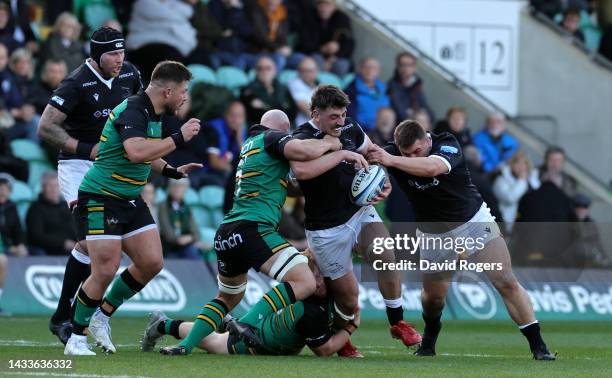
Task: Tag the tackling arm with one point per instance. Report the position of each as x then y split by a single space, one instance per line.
309 149
51 131
306 170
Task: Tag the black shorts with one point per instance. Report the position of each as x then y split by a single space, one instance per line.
242 245
102 217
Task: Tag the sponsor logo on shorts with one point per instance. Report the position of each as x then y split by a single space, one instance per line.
228 243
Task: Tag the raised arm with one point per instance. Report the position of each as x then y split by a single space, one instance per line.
306 170
309 149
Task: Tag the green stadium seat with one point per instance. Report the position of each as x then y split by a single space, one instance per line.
207 235
329 78
251 74
203 73
286 76
96 12
192 198
232 78
201 216
160 196
347 79
28 150
22 212
37 169
21 192
212 197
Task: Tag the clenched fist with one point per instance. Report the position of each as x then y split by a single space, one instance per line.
190 129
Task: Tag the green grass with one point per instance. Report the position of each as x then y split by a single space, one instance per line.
464 349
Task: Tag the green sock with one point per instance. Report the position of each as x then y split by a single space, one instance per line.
85 307
123 288
280 296
207 322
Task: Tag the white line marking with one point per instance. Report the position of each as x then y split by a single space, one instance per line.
55 374
31 343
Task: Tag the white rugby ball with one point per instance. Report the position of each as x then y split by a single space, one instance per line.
365 185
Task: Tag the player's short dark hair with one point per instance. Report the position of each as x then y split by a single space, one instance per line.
408 132
170 70
328 96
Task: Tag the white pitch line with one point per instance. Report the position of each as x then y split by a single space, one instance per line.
30 343
54 374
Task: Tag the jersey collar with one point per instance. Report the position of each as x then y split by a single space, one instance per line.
311 122
108 83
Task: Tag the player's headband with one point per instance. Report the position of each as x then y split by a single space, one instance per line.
98 48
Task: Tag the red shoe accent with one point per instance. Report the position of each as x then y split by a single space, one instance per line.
349 351
405 332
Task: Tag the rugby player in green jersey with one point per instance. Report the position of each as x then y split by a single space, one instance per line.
248 236
112 215
284 332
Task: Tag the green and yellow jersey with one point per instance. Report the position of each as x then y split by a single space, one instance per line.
112 173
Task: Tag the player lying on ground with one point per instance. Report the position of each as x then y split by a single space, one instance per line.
248 237
286 331
72 123
334 225
431 170
112 215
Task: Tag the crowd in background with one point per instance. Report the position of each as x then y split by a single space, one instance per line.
283 48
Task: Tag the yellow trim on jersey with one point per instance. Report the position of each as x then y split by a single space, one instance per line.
251 174
283 183
111 194
95 232
127 179
247 195
278 248
291 313
80 300
94 209
111 116
208 320
103 138
280 296
282 315
252 152
215 310
266 233
270 302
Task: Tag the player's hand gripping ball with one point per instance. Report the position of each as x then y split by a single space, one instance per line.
366 185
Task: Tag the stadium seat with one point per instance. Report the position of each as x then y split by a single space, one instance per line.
347 79
28 150
207 235
21 192
201 216
212 197
95 12
232 78
329 78
286 76
203 73
192 198
160 196
37 169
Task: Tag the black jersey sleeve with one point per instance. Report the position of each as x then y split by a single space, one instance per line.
66 97
303 132
314 324
392 149
359 136
448 149
132 123
211 139
274 143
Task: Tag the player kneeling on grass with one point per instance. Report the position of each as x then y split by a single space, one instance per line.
286 331
113 216
248 236
431 170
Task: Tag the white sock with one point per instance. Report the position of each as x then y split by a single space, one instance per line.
528 324
79 337
393 303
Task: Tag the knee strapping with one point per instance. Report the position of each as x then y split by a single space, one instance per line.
229 289
287 259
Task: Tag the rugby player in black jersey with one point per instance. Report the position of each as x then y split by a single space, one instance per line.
431 170
72 122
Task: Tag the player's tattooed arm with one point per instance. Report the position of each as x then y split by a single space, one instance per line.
51 131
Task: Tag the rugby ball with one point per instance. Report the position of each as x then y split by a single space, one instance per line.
366 184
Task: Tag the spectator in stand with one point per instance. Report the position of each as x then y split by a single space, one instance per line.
6 32
24 122
516 178
20 24
266 93
302 87
494 143
405 89
159 30
208 33
270 24
571 23
16 167
49 223
327 37
148 195
554 162
422 117
588 246
234 48
455 123
52 74
385 125
367 94
481 181
63 42
179 232
22 68
10 225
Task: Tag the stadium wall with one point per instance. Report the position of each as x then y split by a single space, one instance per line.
34 284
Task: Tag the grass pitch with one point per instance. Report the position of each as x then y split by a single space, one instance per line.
464 349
